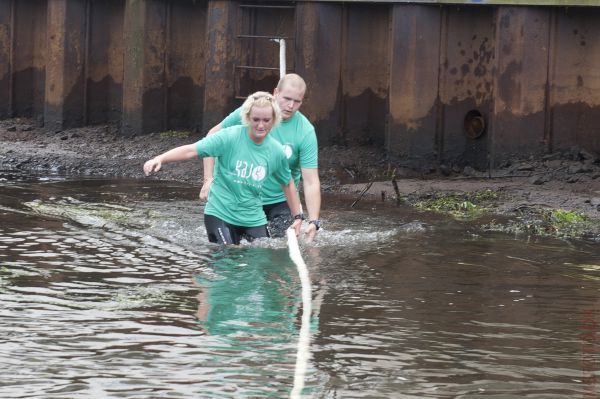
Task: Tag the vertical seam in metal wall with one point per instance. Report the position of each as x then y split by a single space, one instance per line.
293 55
391 43
492 125
236 46
344 52
86 56
441 87
11 60
550 71
166 71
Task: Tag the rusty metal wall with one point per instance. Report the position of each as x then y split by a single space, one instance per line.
562 3
432 84
466 82
412 132
365 73
257 60
104 66
185 75
27 56
5 58
574 76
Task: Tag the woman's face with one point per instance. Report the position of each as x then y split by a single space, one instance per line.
261 122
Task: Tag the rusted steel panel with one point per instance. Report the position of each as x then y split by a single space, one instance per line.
365 72
219 96
575 92
414 84
318 46
185 68
466 83
5 58
64 95
154 111
563 3
29 57
257 49
133 75
413 71
104 90
144 91
520 102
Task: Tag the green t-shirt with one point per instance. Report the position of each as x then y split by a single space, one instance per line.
299 140
242 168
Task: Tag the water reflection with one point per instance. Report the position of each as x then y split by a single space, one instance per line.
110 289
250 306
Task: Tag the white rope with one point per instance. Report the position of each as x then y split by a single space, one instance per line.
304 338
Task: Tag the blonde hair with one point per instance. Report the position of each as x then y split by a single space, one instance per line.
260 99
292 79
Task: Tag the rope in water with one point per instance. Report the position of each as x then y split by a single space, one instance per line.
304 338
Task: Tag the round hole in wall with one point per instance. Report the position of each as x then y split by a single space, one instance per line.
474 124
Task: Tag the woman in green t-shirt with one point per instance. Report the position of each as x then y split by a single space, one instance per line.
246 156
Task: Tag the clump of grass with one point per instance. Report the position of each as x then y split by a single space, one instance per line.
461 205
563 217
486 196
452 204
558 223
175 134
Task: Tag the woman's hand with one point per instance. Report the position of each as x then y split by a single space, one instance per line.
151 166
205 189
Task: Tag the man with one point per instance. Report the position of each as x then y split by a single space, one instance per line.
297 135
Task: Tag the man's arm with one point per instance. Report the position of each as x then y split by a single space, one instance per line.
293 203
312 196
209 168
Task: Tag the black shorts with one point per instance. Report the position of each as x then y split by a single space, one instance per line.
279 217
224 233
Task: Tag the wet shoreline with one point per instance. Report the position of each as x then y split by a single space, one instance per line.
567 181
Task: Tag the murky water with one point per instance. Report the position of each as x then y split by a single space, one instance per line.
109 289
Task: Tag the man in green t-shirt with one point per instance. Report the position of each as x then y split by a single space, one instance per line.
247 158
297 135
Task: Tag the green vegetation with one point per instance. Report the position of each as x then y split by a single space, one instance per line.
460 206
529 220
175 134
559 223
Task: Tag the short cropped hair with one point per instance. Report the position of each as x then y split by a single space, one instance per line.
260 99
291 79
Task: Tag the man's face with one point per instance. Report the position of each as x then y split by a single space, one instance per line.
289 99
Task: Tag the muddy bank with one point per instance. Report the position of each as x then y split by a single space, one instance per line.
525 189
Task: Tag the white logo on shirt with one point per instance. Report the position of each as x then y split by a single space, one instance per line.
259 173
245 170
287 150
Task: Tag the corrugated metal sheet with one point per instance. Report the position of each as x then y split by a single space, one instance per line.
416 79
560 3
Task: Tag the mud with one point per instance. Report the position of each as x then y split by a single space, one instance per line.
568 180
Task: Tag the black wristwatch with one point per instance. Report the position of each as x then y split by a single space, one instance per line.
299 216
316 222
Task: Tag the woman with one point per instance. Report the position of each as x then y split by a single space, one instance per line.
245 157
